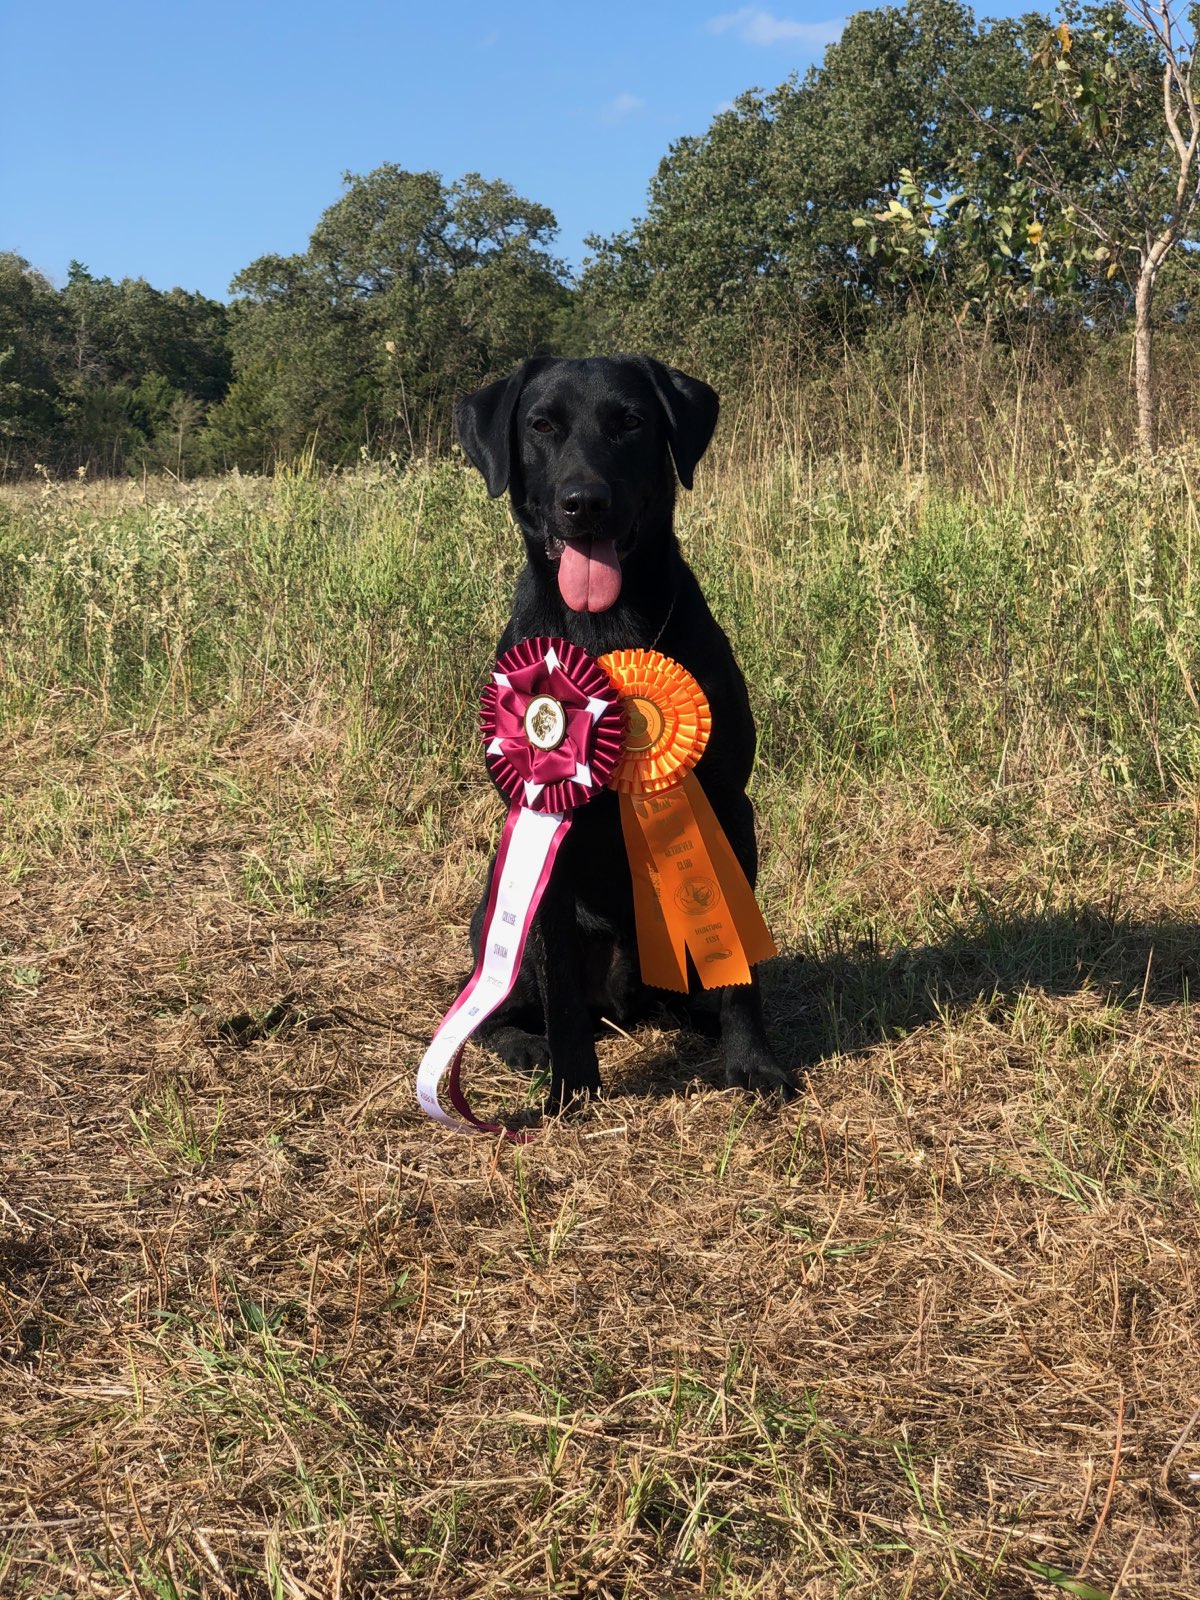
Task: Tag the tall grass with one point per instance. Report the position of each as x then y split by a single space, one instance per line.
984 406
889 622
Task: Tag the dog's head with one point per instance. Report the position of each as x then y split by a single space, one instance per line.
585 449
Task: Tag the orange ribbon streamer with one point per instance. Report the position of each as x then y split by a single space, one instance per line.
690 894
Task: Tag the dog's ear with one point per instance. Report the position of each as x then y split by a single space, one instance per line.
483 422
691 409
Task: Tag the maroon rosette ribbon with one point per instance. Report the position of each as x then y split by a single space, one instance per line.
553 730
553 733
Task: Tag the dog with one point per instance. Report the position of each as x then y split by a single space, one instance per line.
589 452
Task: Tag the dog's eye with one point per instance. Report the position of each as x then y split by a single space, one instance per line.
542 425
630 422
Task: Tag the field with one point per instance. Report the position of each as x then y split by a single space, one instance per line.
930 1330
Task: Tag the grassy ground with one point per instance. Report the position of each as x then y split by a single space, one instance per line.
931 1330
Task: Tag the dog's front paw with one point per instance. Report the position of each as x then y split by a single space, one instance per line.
523 1052
759 1072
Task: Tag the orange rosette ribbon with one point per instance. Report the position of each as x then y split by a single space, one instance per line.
690 894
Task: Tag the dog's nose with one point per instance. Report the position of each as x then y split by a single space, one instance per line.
580 500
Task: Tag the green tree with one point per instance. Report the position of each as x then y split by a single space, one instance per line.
696 269
1087 183
754 221
410 290
34 345
140 359
126 330
1120 81
301 361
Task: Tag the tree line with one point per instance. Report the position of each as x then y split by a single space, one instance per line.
1022 177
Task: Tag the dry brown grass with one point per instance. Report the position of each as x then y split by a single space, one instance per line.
929 1331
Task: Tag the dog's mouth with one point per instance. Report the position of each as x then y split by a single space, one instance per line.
589 571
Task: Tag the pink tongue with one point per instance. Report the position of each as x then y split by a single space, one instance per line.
589 575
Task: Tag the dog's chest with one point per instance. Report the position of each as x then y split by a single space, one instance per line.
602 631
594 862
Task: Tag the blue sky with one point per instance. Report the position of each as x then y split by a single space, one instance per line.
177 141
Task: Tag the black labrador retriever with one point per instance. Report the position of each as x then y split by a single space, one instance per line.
589 451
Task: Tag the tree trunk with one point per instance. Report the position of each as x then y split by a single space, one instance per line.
1143 359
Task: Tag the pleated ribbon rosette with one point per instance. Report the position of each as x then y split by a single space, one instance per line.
552 734
690 894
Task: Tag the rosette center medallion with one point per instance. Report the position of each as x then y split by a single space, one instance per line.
545 722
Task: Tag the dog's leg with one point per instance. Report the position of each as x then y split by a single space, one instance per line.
574 1070
625 993
749 1060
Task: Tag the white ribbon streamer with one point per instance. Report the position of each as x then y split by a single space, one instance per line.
527 850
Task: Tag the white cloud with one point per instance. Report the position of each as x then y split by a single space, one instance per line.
621 106
753 25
